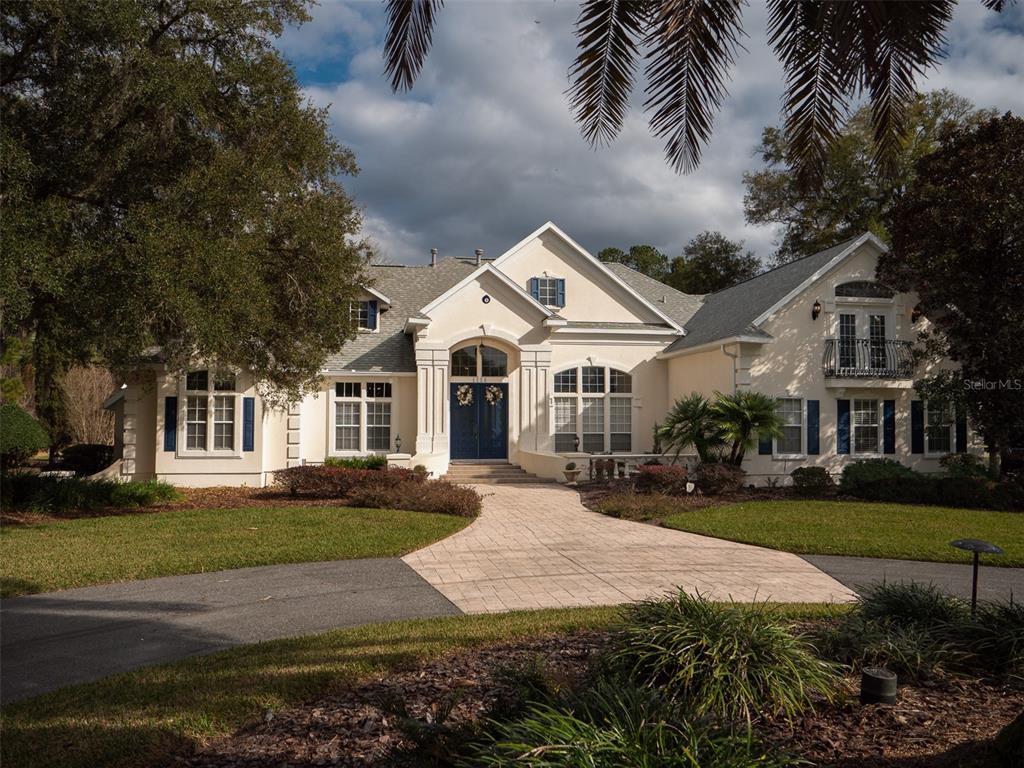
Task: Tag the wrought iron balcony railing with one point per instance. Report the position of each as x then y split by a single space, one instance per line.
868 359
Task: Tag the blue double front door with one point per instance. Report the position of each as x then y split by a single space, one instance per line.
479 421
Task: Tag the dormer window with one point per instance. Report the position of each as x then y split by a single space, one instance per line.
549 291
364 315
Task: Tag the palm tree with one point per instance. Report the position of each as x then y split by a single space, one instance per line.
743 417
691 422
832 53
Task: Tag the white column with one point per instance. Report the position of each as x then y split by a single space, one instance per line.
431 400
129 433
294 454
535 360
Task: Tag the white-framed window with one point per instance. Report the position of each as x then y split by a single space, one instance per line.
938 429
866 427
211 412
549 291
479 360
592 409
791 411
364 314
362 417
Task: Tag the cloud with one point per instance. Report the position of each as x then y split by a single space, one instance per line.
484 149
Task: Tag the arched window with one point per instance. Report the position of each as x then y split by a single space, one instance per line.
864 289
487 360
593 410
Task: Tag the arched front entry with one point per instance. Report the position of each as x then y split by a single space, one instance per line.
479 399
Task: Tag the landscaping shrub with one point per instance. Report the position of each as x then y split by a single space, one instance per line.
332 482
811 481
870 471
909 604
994 637
638 506
616 724
21 436
87 458
56 495
724 660
418 495
963 465
373 461
660 478
715 479
967 492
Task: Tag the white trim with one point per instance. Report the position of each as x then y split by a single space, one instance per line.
362 401
378 294
567 329
476 274
552 227
350 373
867 237
776 456
181 449
879 451
111 401
715 345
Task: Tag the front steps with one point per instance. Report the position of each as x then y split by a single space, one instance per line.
491 474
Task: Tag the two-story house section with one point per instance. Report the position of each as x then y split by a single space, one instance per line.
545 355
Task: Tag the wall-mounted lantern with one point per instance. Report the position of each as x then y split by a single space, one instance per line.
915 314
815 310
398 443
576 444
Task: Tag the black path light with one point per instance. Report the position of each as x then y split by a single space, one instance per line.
977 546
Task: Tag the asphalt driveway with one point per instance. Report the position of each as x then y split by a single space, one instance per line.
78 635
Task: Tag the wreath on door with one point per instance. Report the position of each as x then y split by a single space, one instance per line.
493 394
464 395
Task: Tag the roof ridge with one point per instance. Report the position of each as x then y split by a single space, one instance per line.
787 264
697 296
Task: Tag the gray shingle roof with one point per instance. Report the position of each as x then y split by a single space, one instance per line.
732 311
676 304
410 288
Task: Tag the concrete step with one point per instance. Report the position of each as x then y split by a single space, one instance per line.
491 474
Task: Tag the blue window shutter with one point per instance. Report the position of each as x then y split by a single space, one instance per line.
888 426
764 445
170 423
917 426
535 288
248 423
813 428
961 432
843 426
371 315
560 286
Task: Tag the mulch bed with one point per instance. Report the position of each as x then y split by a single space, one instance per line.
940 725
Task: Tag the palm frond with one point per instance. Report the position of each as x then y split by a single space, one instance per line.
900 39
819 74
604 71
410 29
692 47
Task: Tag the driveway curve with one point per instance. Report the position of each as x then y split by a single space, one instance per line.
537 546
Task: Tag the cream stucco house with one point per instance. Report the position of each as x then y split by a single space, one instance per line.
545 354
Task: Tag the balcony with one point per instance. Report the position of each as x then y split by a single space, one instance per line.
867 359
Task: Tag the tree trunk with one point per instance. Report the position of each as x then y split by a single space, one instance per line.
995 460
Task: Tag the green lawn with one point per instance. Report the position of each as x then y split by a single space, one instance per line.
75 553
141 718
897 531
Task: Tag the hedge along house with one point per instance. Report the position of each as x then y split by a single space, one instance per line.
545 355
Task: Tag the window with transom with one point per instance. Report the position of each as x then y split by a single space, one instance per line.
592 410
211 412
362 417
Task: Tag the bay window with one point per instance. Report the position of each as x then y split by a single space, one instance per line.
592 409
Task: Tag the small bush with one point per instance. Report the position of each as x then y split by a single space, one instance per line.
967 492
87 458
963 465
715 479
870 471
660 478
21 436
994 637
418 496
616 724
638 506
55 495
331 482
910 604
373 461
726 660
811 481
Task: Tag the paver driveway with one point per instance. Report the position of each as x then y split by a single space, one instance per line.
537 546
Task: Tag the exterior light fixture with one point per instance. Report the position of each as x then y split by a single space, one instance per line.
398 443
576 444
815 310
915 314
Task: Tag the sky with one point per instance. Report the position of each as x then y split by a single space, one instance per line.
484 150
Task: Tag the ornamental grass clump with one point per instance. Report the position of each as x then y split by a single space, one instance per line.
614 724
729 661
